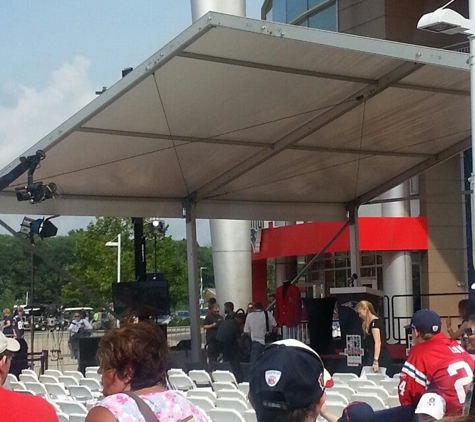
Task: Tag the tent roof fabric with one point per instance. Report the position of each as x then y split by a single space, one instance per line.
257 120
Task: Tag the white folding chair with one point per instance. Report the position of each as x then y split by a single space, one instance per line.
77 418
92 369
203 403
393 401
336 397
55 372
12 378
223 376
225 415
17 386
38 388
72 407
356 384
28 378
244 387
369 370
372 399
200 392
344 390
81 393
232 394
68 380
94 375
181 382
377 377
224 386
344 377
335 408
48 379
92 383
200 377
27 392
396 376
29 372
175 371
231 403
76 374
250 415
62 417
57 392
389 384
378 390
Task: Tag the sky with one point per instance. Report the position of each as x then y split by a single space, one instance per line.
56 54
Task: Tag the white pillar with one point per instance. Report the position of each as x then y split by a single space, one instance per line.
397 265
231 239
232 261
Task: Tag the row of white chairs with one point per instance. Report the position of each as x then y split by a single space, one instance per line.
202 378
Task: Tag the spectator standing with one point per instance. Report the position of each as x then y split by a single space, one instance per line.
133 361
19 321
374 339
255 327
228 310
287 383
211 302
8 328
211 325
229 337
435 364
16 407
466 309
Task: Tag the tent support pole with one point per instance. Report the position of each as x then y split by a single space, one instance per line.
193 285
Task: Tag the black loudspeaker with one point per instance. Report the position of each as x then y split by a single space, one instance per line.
87 352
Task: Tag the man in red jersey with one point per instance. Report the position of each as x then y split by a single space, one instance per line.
435 364
16 407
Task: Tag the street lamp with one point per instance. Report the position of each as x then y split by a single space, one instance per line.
201 285
447 21
117 245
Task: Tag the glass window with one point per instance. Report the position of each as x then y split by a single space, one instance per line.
295 8
325 19
313 3
278 11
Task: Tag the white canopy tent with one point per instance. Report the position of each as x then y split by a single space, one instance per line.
244 119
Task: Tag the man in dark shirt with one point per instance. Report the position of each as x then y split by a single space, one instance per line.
19 323
8 328
229 337
211 325
229 310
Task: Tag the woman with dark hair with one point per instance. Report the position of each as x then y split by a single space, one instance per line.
132 361
466 309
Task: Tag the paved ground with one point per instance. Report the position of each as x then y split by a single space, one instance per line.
58 340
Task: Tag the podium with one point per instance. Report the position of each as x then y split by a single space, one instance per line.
350 322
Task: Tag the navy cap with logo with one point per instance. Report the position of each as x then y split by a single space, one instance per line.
357 412
426 321
287 376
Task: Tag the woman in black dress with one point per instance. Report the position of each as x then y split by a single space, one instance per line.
376 353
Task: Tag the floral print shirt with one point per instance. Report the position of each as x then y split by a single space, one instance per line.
168 406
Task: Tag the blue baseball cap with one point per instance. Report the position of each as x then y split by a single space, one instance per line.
426 321
357 412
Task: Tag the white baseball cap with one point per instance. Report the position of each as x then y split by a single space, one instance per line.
9 344
431 404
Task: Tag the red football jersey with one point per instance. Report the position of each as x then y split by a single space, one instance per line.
439 365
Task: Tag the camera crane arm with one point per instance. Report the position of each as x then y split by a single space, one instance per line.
28 164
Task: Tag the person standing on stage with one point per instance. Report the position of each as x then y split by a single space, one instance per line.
376 353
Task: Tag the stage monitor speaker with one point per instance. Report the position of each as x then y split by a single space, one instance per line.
87 352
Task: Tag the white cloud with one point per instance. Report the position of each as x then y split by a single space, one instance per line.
35 112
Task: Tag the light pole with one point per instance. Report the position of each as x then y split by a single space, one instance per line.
117 245
201 285
447 21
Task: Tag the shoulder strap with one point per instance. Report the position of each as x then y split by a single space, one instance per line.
267 321
144 408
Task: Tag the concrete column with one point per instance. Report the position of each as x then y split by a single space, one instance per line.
230 238
232 261
397 266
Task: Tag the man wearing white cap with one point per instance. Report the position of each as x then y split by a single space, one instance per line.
16 407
